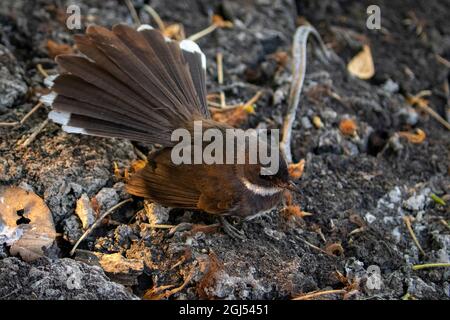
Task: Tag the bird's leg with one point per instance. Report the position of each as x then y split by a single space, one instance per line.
231 230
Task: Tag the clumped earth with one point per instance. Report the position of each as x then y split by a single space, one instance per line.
359 189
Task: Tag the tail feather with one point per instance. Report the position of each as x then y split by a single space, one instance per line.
129 84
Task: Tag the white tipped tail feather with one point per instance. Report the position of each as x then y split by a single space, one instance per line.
191 46
59 117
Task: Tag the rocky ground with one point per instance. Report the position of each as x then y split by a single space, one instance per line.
359 188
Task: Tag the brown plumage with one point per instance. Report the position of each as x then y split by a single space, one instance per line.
140 86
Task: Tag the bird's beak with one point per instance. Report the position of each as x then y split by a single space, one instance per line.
293 187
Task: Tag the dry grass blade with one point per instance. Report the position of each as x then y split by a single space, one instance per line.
153 294
430 265
133 12
35 133
24 119
315 294
152 12
299 71
418 137
407 220
96 223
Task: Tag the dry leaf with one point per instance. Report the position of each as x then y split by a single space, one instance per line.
362 65
296 169
295 211
137 165
26 223
335 249
174 31
232 116
348 127
220 22
55 49
85 211
317 122
417 137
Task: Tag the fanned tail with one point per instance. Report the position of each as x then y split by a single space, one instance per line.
129 84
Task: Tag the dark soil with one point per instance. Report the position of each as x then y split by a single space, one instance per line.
366 183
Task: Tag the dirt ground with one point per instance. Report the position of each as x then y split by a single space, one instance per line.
358 189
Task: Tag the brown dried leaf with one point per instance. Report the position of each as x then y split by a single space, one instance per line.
174 31
26 223
417 137
348 127
220 22
296 169
362 65
334 249
295 211
55 49
232 116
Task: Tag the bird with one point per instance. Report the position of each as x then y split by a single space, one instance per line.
137 84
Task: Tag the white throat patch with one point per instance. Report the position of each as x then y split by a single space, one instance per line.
260 190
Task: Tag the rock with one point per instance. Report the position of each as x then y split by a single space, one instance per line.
417 202
107 198
420 289
155 213
120 269
306 123
73 229
64 279
12 85
85 212
390 86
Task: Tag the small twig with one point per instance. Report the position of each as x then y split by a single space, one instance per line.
316 294
219 58
430 265
133 12
443 61
140 154
9 124
25 118
445 223
407 220
41 70
435 115
253 99
203 33
298 72
318 249
97 222
152 12
36 131
30 113
158 226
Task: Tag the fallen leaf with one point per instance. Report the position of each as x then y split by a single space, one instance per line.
295 211
362 65
26 223
232 116
296 169
317 122
334 249
85 211
221 22
348 127
417 137
137 165
174 31
55 49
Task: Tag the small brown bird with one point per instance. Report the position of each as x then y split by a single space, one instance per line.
141 86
